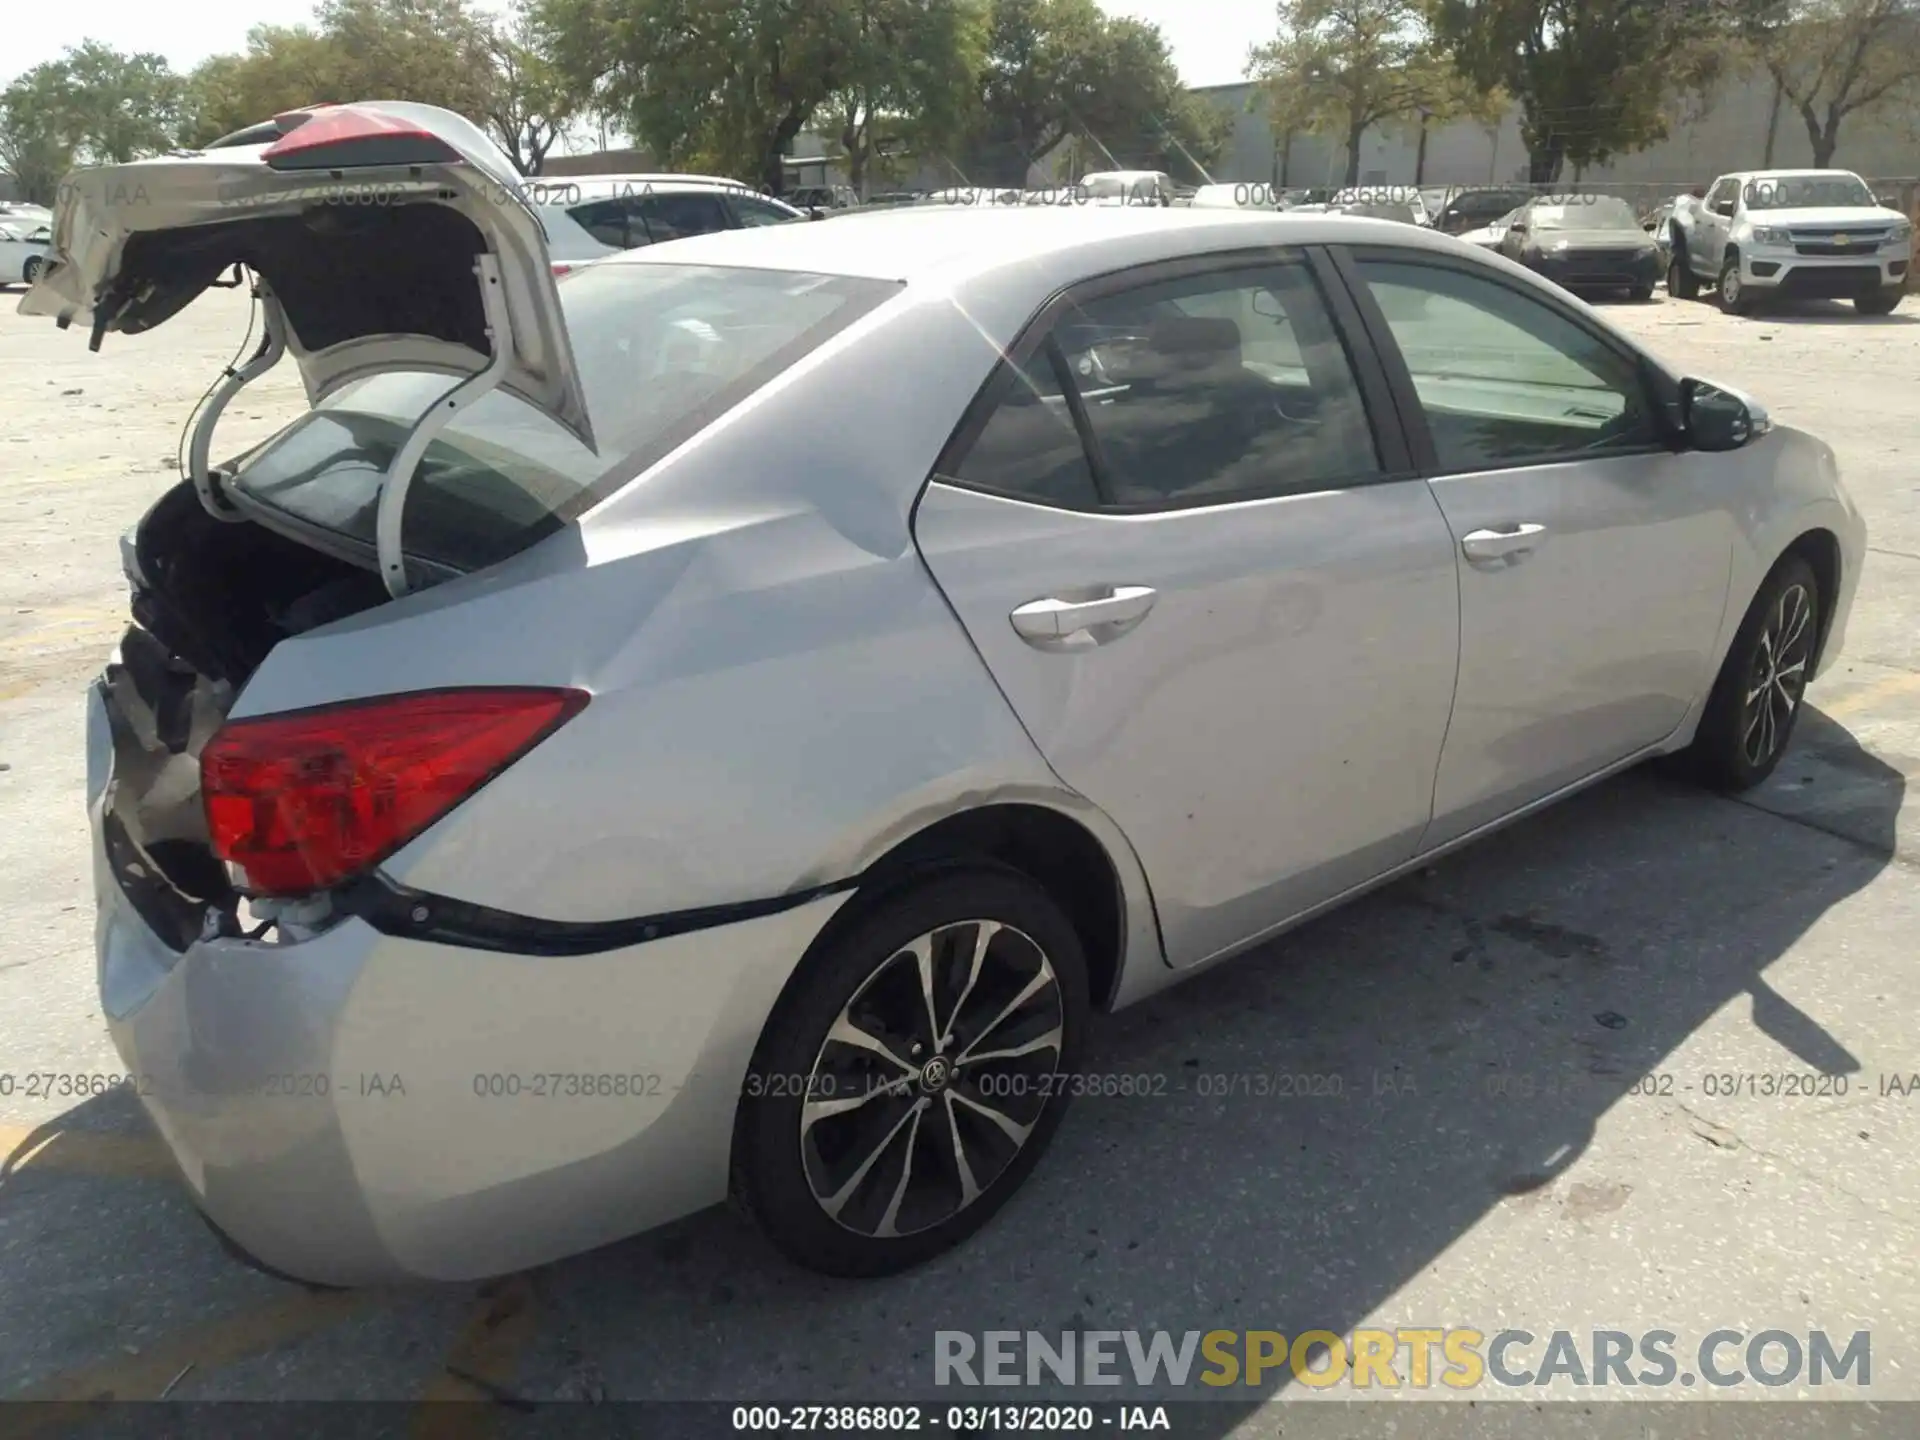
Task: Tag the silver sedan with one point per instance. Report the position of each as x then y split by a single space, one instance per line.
725 722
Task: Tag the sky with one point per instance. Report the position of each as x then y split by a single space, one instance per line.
1209 38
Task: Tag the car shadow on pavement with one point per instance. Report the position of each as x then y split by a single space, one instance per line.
1310 1127
1828 312
1320 1119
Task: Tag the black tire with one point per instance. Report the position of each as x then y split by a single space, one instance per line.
1879 302
1641 294
1682 283
865 971
1731 291
1725 754
29 269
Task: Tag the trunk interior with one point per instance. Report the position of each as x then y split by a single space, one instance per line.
211 600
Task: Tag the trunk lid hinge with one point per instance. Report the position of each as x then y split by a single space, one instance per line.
273 345
393 490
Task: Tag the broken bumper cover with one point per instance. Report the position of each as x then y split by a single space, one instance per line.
357 1108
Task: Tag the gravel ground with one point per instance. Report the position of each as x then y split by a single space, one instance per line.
1758 936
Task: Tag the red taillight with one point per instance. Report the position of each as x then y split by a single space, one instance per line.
337 136
559 269
304 801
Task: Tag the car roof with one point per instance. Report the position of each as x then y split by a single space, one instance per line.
945 244
1793 170
571 189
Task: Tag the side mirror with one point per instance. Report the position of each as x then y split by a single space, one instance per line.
1717 418
1724 209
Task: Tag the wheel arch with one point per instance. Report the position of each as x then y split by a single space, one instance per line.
1042 843
1039 842
1820 548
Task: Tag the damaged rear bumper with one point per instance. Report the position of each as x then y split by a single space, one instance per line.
358 1108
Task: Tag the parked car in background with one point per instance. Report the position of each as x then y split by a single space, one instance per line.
442 742
1405 195
1656 222
1493 236
884 199
1399 211
1129 187
1246 195
23 249
592 217
823 197
1435 197
1472 209
1790 233
976 196
1585 243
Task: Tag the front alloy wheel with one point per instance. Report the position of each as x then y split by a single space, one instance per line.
1777 676
909 1081
1750 715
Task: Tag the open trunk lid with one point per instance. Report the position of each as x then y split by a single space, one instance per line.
375 229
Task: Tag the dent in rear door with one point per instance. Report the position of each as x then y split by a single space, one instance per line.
1267 734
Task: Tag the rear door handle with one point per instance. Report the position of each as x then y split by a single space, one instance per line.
1506 547
1055 619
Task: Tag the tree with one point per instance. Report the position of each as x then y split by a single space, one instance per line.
1831 59
36 142
1061 68
435 52
1349 64
909 80
1291 108
95 105
1593 78
121 106
283 68
721 84
531 103
1442 95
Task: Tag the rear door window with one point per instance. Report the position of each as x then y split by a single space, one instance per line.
1223 386
612 222
670 216
750 211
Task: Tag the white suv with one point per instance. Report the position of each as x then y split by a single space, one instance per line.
600 215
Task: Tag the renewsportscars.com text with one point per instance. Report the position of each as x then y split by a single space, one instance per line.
1408 1357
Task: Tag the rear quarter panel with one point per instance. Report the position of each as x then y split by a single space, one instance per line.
780 692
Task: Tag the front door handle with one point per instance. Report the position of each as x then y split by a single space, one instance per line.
1054 619
1505 547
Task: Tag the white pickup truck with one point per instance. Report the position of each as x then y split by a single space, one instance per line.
1790 233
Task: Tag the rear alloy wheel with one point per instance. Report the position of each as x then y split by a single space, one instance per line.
909 1083
30 269
1879 302
1751 713
1681 283
1733 290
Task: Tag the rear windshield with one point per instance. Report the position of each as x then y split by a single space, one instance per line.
662 350
1485 204
1587 212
